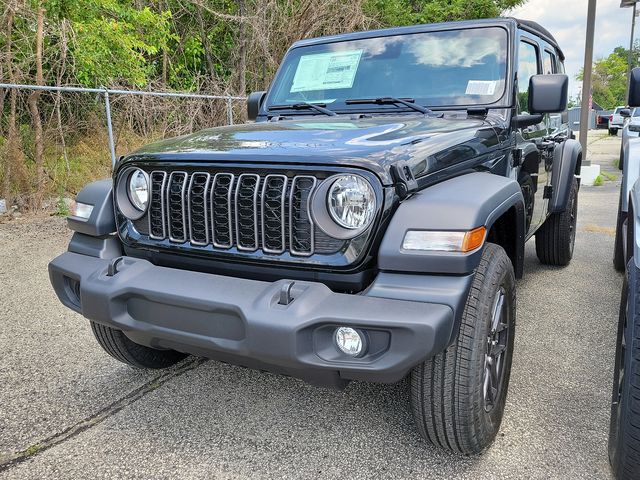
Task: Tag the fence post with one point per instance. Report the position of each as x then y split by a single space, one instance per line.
112 146
229 112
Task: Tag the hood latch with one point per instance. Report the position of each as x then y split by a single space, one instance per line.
403 177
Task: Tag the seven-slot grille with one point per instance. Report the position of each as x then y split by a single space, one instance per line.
242 210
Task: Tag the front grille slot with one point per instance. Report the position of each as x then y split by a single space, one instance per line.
198 208
157 229
301 226
176 207
221 210
274 191
249 212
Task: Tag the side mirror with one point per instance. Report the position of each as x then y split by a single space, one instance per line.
254 100
548 93
634 88
625 112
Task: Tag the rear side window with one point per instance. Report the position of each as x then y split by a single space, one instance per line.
548 63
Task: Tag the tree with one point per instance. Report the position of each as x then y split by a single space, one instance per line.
609 77
408 12
213 46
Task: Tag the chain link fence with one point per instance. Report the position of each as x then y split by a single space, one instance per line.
84 131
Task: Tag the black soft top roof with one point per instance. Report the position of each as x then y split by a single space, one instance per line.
542 32
527 25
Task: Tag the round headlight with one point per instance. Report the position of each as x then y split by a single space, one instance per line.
351 202
138 189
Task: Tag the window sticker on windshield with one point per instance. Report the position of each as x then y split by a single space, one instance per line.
481 87
326 71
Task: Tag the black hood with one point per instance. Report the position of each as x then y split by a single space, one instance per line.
371 143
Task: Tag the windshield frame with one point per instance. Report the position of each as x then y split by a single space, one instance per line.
504 101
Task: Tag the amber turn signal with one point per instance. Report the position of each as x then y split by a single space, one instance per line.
473 239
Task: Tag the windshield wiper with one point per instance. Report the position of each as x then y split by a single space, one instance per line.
409 102
305 106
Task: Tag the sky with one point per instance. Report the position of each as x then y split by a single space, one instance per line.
567 22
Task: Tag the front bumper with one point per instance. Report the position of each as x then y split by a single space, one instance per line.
242 322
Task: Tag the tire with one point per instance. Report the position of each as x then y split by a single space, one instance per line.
618 247
624 431
611 132
556 237
116 344
449 399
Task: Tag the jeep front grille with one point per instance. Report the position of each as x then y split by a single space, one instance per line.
225 210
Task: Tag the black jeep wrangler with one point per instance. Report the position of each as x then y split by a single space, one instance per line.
369 225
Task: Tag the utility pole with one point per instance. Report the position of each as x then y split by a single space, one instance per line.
586 81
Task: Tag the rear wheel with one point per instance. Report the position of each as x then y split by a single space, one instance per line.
624 431
116 344
557 235
458 397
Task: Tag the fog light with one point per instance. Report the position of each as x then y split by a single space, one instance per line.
349 341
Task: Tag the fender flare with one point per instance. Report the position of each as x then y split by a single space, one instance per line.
565 167
102 220
458 204
631 169
631 228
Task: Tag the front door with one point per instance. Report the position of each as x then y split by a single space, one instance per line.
533 176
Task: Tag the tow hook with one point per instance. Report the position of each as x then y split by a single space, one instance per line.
285 294
112 269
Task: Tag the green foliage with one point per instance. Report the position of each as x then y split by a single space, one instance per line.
609 77
408 12
599 181
217 46
612 177
117 42
62 209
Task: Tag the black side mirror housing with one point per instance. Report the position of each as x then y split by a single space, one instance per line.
548 93
254 101
634 88
625 112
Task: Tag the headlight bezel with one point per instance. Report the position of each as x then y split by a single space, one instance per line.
321 208
123 195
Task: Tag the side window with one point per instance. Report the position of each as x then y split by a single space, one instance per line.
548 63
527 67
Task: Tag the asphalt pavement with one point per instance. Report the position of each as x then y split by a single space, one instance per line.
67 410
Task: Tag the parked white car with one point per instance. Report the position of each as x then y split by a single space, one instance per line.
616 121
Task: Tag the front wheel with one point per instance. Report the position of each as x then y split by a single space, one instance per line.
624 427
557 235
458 397
118 345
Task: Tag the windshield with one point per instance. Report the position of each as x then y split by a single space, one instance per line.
437 69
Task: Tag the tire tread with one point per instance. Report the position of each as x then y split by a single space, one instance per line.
116 344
